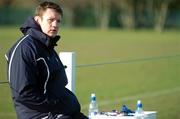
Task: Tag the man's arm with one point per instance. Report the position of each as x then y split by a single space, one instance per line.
23 81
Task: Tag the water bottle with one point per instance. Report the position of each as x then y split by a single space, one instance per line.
93 106
139 113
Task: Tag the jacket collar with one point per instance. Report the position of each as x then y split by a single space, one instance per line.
32 28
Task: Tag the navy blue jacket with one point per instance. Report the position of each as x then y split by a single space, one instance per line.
37 77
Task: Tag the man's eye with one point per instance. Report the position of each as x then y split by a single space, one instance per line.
53 20
50 20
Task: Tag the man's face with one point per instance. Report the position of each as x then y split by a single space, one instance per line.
50 22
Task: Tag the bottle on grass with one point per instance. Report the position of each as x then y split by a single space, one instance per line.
93 106
139 113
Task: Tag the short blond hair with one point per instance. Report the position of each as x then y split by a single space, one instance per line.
47 4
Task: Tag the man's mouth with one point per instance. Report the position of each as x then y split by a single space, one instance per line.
53 30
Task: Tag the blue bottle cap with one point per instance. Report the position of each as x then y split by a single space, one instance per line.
139 104
93 96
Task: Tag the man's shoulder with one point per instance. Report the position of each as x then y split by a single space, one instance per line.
26 39
23 45
27 43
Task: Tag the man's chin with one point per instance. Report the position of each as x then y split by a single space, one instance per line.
52 35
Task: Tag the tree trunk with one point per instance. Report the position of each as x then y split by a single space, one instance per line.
127 14
68 16
104 24
97 11
102 13
160 16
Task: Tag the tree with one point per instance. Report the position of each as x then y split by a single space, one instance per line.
69 10
102 12
161 10
6 2
68 6
105 14
5 11
144 13
127 13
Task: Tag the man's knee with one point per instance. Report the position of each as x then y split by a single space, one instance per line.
57 116
63 117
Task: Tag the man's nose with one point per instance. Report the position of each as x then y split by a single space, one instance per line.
55 23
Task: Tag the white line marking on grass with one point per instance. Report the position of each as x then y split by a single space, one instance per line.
140 96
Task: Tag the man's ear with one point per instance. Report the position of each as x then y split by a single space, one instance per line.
37 19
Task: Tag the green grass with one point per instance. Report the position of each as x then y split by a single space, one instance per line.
156 81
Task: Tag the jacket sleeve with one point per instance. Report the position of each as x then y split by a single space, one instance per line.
22 72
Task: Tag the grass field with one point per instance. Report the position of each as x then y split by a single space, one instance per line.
134 65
